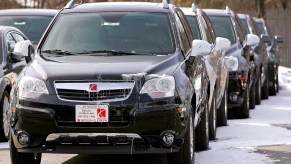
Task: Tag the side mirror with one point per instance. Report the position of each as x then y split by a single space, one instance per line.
252 40
22 49
278 39
266 39
200 48
221 44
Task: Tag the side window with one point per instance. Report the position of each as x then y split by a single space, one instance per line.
18 37
239 30
183 34
10 43
209 30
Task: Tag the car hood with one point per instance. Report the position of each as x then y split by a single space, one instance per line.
102 67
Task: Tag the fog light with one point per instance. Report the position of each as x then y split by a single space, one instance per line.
233 96
168 138
23 139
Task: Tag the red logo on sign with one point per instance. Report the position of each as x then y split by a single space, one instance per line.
101 113
93 87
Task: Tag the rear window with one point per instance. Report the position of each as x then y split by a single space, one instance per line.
223 27
116 31
32 26
194 26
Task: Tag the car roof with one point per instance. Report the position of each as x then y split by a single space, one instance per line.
30 12
188 11
216 12
118 6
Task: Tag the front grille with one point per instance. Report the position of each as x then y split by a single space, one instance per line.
82 95
104 90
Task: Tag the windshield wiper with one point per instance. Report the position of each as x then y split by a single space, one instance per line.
59 52
112 53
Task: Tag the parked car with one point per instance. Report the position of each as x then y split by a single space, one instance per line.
260 58
273 59
216 69
32 22
99 85
238 58
11 65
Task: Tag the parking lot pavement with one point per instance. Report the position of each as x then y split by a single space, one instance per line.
4 145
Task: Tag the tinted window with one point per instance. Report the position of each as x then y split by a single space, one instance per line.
183 34
32 26
245 26
10 43
119 31
261 28
194 26
208 27
223 27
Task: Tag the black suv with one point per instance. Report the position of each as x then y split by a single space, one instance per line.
10 67
111 78
273 58
260 90
238 58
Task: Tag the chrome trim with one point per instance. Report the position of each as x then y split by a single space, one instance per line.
101 86
55 136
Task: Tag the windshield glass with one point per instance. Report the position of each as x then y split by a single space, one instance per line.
32 26
194 26
112 31
260 27
245 26
223 27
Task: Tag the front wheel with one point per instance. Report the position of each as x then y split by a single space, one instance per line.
5 117
258 91
243 111
23 158
187 152
253 97
222 111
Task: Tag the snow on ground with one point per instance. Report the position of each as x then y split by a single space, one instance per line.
237 142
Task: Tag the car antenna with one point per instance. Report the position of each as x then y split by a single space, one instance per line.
194 8
227 10
70 4
166 4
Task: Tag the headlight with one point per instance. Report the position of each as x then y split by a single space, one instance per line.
231 63
30 87
159 87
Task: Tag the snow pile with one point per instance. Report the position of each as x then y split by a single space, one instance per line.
284 78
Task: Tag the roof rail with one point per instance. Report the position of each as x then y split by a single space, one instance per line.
227 10
70 4
166 4
194 8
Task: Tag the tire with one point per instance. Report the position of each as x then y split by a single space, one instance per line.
5 117
23 158
243 111
222 111
202 132
258 92
265 89
212 120
187 152
277 82
252 97
273 88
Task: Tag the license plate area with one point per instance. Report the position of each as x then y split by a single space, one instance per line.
91 113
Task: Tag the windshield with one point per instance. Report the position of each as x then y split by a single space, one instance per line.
261 27
245 26
194 26
32 26
223 27
130 32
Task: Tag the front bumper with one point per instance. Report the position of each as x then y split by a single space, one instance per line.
138 129
236 89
